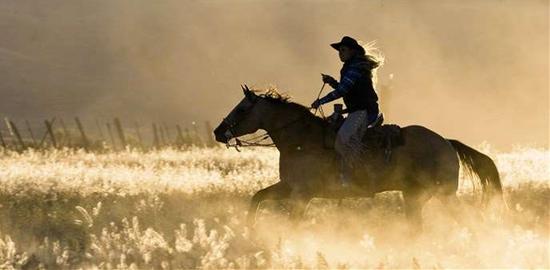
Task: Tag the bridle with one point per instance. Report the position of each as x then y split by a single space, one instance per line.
244 143
257 140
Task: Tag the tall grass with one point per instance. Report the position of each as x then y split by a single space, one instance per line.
172 209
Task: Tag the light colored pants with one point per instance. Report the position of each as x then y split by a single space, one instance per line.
349 138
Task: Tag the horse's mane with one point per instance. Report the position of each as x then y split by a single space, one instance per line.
272 95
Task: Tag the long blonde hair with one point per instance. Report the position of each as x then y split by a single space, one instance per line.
374 57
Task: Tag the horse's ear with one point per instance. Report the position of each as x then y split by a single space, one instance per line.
248 93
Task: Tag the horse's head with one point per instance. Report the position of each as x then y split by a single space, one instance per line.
243 119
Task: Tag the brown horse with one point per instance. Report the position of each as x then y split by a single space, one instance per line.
426 165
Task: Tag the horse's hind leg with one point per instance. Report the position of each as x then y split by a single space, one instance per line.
277 191
456 209
414 202
299 207
452 204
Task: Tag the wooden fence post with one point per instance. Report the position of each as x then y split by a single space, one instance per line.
168 135
10 131
50 131
110 131
2 140
17 135
156 143
30 132
120 132
66 135
138 134
45 136
82 133
162 136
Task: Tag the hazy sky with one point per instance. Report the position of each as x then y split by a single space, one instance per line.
471 70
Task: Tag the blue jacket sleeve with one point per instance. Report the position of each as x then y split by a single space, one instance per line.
347 81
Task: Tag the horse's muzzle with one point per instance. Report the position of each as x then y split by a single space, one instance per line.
222 133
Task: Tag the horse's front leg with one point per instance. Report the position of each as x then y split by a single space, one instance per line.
299 202
277 191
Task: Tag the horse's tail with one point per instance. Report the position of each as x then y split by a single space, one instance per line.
483 166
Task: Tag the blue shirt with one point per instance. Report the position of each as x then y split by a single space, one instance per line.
347 81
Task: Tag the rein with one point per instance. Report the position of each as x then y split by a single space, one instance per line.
320 108
257 140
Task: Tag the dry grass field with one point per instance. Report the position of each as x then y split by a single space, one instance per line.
172 209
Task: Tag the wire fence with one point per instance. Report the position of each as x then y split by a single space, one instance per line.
111 135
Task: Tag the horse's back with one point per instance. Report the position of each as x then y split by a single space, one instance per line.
426 156
424 140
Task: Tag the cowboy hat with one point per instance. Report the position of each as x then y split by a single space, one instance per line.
348 42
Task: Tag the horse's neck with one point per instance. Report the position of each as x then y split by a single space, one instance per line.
294 130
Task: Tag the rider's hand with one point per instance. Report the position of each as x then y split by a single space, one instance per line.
316 104
328 79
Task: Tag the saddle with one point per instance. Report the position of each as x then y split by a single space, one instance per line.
336 122
378 137
383 137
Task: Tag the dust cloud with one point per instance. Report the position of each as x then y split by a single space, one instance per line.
473 70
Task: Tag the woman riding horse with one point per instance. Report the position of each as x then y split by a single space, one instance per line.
426 165
356 87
